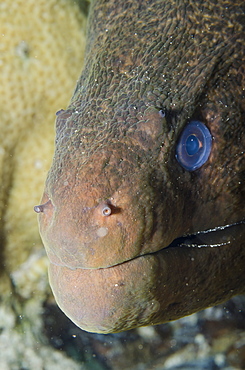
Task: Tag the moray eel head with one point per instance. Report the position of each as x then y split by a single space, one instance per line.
107 210
130 243
142 215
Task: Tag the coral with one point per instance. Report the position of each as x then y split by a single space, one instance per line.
41 55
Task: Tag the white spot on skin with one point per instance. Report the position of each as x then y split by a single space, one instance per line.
102 231
38 164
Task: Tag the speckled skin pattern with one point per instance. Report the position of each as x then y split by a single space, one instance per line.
151 67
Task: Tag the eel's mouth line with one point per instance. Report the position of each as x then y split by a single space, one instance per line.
195 244
210 238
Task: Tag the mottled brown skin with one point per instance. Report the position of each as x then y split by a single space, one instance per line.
114 149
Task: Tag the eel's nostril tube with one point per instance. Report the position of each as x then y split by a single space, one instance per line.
106 210
42 207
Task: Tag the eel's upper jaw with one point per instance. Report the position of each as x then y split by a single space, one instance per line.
215 237
85 230
100 234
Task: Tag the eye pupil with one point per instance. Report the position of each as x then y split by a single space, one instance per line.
192 145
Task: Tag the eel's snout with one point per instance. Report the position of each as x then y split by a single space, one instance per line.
79 232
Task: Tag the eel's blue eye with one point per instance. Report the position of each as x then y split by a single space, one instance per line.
194 146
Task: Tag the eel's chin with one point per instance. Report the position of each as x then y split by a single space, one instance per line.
154 288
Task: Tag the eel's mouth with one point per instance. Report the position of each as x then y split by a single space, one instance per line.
217 237
211 238
190 274
103 238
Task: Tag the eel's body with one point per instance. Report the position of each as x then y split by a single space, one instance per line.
116 197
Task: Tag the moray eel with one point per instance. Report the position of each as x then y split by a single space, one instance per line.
142 215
